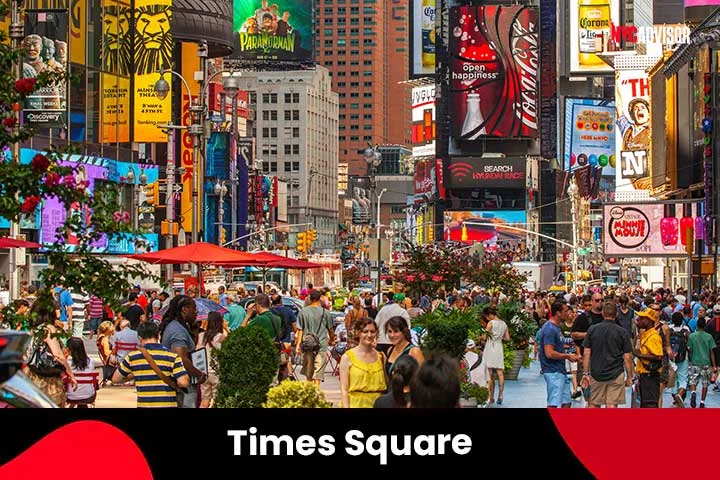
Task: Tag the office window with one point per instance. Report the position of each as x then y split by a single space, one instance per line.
341 138
266 114
341 95
329 43
295 166
296 98
341 21
367 52
341 127
265 132
354 42
354 32
354 138
273 167
354 116
328 64
354 94
367 127
341 10
367 62
341 32
266 166
367 74
354 74
367 84
273 149
367 138
341 63
266 98
296 114
288 98
287 165
273 132
354 127
296 132
329 53
341 84
341 42
354 10
328 31
341 116
367 94
354 63
368 41
266 149
340 74
273 114
273 98
367 116
328 21
288 149
296 149
355 84
253 98
288 115
354 106
328 10
367 105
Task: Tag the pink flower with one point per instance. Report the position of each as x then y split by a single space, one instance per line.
52 179
83 184
126 217
436 278
410 278
123 217
69 179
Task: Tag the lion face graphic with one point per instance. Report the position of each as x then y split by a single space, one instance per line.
116 44
153 42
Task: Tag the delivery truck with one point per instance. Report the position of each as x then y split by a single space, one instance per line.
540 275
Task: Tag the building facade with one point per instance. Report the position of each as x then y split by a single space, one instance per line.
364 44
296 132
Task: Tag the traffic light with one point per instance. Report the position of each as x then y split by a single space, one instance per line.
689 241
311 237
223 233
152 194
301 242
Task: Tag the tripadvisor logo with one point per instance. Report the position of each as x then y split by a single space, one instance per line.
663 34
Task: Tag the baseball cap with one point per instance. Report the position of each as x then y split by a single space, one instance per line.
716 308
649 313
399 297
470 343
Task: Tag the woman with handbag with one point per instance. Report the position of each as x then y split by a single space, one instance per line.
47 362
104 346
211 339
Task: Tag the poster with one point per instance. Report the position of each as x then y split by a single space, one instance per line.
493 172
45 49
190 64
115 108
590 31
423 121
652 229
422 38
590 134
116 49
486 226
281 30
633 138
153 51
361 196
78 27
494 62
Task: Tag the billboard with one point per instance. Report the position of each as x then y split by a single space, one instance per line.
494 62
45 50
425 181
633 140
281 30
115 108
650 229
590 134
153 51
422 38
590 32
78 31
423 121
116 48
190 64
494 172
461 226
361 196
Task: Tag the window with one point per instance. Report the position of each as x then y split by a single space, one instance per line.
288 114
367 127
367 116
341 84
354 42
253 98
354 74
296 115
273 149
273 167
341 63
266 149
328 31
340 74
273 98
354 32
367 105
266 98
355 84
397 209
367 52
367 62
341 32
367 138
295 166
367 74
354 126
341 138
273 132
354 106
287 166
367 84
341 21
328 21
329 43
296 132
288 149
328 10
368 41
367 94
296 98
354 10
354 116
341 116
341 10
354 94
354 138
341 95
266 115
296 149
329 53
265 132
341 43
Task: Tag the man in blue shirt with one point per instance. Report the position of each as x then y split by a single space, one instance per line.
553 356
66 303
222 296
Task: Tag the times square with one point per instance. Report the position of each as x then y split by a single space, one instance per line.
355 181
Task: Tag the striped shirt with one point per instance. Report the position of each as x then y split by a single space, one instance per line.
80 301
96 307
152 392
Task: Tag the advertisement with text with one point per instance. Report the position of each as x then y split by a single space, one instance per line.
590 134
422 38
590 31
423 121
469 172
494 61
633 139
280 30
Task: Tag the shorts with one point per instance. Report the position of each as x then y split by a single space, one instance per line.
699 373
649 387
94 324
208 390
610 392
558 389
571 367
320 362
188 398
77 328
681 375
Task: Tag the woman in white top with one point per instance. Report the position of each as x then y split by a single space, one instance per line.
84 392
215 335
493 355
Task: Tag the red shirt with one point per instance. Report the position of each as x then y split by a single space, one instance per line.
142 301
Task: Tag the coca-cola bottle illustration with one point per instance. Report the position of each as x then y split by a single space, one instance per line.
474 125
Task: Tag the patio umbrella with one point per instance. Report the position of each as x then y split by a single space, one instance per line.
200 253
293 264
7 242
203 305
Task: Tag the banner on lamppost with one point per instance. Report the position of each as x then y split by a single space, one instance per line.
153 51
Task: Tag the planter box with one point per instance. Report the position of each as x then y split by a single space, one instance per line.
513 373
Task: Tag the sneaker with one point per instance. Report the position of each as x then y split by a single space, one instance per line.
702 405
679 402
716 388
692 400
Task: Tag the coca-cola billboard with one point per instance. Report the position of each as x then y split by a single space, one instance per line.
494 68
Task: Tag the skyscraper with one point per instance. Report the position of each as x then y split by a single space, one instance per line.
365 44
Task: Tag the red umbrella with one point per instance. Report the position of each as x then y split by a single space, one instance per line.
293 263
199 253
7 242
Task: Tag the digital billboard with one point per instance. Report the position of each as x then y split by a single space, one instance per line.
494 62
45 50
486 226
281 30
494 172
153 51
633 139
651 229
590 31
590 134
361 196
423 121
422 38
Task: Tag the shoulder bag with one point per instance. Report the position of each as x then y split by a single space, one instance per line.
167 380
311 341
42 362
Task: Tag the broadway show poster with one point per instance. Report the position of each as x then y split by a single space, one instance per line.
153 51
633 139
280 30
494 72
590 134
116 48
45 50
115 108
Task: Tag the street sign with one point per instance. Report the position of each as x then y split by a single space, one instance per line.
177 188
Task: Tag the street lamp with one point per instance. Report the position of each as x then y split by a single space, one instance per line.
573 194
373 157
231 86
220 190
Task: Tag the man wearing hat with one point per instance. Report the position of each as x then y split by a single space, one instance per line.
391 309
649 353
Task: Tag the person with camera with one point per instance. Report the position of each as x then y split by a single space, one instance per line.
315 333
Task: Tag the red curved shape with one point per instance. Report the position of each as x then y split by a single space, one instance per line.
607 441
80 451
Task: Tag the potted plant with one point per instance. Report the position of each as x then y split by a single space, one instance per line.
473 395
296 395
521 327
247 363
448 332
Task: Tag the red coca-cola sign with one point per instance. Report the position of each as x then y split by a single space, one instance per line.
494 69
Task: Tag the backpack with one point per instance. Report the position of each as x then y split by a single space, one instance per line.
678 343
311 341
286 325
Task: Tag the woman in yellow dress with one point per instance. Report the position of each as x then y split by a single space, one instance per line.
362 372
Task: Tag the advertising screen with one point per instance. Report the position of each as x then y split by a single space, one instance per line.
279 30
468 172
494 61
153 51
487 226
652 229
422 38
590 32
45 50
423 121
633 139
361 200
590 134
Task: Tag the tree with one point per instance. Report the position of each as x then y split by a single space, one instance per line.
24 187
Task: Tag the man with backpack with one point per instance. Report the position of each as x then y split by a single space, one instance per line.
315 333
679 334
288 326
702 347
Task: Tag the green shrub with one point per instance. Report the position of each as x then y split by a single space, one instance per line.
520 324
508 358
248 361
449 332
291 394
473 390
